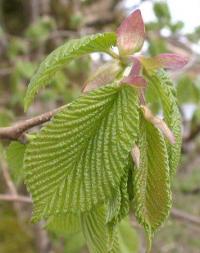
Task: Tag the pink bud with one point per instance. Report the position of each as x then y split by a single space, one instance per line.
171 61
166 61
130 34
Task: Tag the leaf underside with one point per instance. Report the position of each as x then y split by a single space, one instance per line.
151 181
78 159
163 88
60 56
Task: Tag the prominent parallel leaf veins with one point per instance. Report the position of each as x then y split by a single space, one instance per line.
152 196
69 51
77 160
164 89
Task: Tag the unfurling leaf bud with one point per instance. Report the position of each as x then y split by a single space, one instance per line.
130 34
166 61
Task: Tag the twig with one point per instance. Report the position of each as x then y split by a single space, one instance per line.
15 131
175 213
34 10
8 179
13 198
186 217
192 135
11 187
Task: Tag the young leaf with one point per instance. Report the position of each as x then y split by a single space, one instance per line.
104 75
118 205
77 160
64 224
15 156
166 61
152 194
69 51
128 238
96 232
163 88
130 34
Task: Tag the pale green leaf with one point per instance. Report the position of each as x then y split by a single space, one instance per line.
64 224
128 238
118 205
151 181
165 91
78 159
95 231
60 56
15 156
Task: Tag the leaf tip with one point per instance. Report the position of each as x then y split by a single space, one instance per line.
131 33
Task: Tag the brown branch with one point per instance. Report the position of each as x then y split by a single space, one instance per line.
192 135
15 131
11 187
13 198
186 217
175 213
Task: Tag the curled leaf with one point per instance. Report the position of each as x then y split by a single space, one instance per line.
137 81
166 61
136 68
130 34
159 123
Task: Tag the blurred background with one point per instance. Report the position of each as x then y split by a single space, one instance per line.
31 29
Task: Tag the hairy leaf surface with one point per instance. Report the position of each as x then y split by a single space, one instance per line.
77 160
60 56
164 89
152 195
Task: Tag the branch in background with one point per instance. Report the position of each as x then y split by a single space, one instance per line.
15 198
35 12
175 213
16 131
11 187
183 216
192 135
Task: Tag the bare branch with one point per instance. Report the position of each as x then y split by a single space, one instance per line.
11 187
175 213
15 131
7 178
193 134
13 198
186 217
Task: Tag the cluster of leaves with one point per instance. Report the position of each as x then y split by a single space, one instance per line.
106 153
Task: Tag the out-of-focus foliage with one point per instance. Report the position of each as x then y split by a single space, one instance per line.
27 35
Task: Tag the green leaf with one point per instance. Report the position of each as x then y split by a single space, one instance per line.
128 238
74 243
68 223
69 51
15 156
118 205
64 224
163 88
152 194
95 231
78 159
